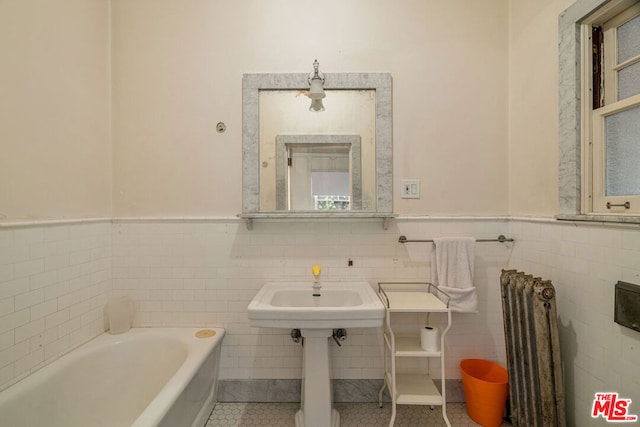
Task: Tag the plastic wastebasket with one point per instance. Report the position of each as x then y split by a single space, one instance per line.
486 386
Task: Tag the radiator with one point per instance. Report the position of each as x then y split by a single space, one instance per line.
536 392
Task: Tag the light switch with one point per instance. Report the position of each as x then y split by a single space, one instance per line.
410 189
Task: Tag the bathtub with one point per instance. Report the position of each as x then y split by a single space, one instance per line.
160 377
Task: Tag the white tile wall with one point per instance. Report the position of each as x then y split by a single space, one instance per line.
54 283
206 273
585 261
56 279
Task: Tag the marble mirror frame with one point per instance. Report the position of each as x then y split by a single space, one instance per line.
252 84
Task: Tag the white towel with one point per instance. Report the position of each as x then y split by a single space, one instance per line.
452 264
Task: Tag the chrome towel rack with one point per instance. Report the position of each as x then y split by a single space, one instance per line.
501 238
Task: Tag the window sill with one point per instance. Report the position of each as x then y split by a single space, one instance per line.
619 219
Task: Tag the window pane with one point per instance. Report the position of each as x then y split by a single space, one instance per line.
629 40
629 81
622 142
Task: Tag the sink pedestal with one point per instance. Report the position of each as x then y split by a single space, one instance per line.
316 410
290 305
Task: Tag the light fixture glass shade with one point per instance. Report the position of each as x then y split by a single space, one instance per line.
316 105
316 91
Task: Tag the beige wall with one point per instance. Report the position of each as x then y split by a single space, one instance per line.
533 107
177 70
55 148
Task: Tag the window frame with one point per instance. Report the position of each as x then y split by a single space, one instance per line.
593 150
599 199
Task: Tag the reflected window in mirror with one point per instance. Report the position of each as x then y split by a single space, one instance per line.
320 173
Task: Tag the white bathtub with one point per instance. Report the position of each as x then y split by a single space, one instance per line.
160 377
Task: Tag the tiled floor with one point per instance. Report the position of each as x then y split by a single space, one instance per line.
351 415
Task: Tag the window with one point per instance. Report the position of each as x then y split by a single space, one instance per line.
611 121
319 177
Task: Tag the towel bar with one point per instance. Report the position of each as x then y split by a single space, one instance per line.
501 238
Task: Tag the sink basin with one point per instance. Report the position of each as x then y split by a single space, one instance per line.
292 305
328 298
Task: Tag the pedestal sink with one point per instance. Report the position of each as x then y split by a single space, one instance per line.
291 305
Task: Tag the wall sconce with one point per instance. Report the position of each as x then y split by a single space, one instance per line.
316 91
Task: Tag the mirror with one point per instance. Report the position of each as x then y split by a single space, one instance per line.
338 160
306 158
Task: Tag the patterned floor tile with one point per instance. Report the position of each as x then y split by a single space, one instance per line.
351 415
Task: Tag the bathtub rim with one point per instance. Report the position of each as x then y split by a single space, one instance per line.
158 408
198 349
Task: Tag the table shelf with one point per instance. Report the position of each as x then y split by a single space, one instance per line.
412 388
408 345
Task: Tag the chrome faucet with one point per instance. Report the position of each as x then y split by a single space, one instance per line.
316 280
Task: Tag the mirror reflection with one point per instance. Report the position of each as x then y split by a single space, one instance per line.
318 172
356 126
317 161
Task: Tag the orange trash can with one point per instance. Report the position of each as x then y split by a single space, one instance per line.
486 386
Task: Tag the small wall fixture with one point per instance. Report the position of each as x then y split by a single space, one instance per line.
316 91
